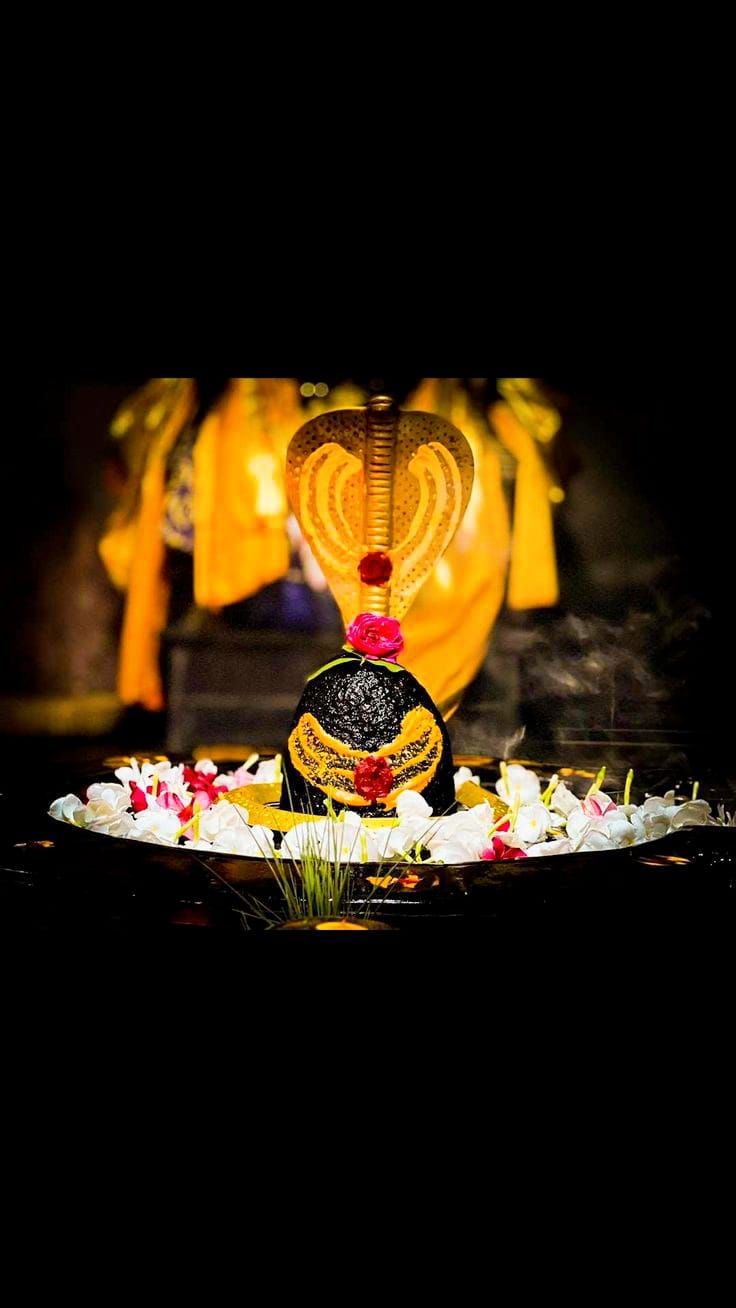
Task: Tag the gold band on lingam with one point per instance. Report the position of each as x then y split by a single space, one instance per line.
329 764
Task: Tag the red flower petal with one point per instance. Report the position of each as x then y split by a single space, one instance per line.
198 780
500 853
137 798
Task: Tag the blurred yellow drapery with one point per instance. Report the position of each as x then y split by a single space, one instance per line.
133 548
446 631
239 509
239 512
524 423
240 506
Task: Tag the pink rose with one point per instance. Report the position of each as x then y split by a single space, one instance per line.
376 637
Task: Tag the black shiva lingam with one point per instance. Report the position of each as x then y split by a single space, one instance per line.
379 494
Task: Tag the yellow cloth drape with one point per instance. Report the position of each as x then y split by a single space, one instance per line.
239 509
133 549
447 629
533 574
240 506
449 626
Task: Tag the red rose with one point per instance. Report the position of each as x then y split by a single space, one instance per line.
373 778
378 638
375 569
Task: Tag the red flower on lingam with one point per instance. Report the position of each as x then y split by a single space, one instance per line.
373 778
375 636
375 568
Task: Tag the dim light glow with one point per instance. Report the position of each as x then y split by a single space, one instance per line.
154 416
122 423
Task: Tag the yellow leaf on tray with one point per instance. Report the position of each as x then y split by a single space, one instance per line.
470 794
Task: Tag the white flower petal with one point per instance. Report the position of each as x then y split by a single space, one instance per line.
220 817
693 814
453 851
620 830
68 808
411 804
521 782
480 816
512 839
412 831
578 825
596 840
563 801
655 803
159 822
462 775
225 779
546 847
244 840
656 825
115 796
304 837
532 823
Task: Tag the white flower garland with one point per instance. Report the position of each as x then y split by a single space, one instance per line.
154 802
